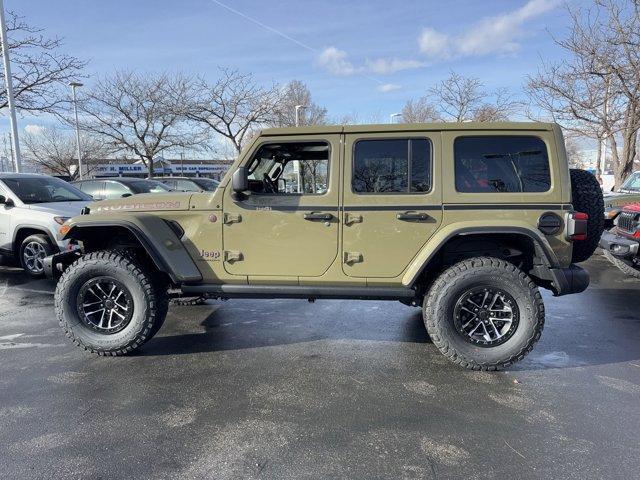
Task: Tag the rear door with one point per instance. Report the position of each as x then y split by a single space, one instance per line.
392 200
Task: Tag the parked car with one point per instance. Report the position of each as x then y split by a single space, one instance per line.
621 245
120 187
628 193
190 184
465 220
32 209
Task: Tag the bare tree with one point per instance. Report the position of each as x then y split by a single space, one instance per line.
142 115
597 91
39 70
234 106
54 151
457 97
460 99
297 93
419 111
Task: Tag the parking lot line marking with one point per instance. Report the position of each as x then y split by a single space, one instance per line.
507 444
31 290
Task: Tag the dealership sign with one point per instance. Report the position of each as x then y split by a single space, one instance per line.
175 169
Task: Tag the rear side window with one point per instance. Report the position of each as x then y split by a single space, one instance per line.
499 164
392 166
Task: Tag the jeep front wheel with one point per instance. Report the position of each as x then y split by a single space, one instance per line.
484 313
108 304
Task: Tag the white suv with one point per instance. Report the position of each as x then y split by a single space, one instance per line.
32 209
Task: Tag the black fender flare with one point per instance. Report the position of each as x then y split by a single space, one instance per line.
157 237
542 249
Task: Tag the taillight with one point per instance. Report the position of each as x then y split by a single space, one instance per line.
577 226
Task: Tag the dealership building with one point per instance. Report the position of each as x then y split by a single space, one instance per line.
162 168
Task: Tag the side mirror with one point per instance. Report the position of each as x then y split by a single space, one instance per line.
7 202
240 180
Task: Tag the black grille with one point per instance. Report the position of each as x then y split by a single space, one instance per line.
627 221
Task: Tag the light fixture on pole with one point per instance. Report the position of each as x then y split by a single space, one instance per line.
73 86
8 80
394 115
298 108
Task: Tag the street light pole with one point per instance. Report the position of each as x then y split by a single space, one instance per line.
73 86
394 115
298 108
8 80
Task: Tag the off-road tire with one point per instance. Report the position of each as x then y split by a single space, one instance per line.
440 301
40 240
149 304
622 265
587 198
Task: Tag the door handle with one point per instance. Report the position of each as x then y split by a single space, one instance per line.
412 216
350 218
318 216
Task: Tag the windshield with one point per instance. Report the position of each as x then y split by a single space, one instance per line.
148 186
632 183
207 184
44 190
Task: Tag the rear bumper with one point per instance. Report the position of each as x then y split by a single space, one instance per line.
619 246
569 280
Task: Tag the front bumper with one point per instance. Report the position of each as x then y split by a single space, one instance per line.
55 264
619 246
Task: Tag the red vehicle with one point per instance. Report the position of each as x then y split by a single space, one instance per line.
622 242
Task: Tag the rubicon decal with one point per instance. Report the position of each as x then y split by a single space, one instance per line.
139 206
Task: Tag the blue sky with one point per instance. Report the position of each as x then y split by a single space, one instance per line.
365 56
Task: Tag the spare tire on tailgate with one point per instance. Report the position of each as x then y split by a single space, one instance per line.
587 198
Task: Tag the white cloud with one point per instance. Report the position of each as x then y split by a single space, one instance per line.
387 66
497 34
34 129
434 44
337 62
388 87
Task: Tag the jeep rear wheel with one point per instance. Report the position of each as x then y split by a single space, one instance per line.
587 198
484 313
108 304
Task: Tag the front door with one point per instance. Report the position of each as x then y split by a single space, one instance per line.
392 201
287 224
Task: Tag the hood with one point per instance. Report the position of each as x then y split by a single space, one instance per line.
621 198
145 202
59 209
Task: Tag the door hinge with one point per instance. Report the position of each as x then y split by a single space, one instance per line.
350 218
232 256
230 218
352 257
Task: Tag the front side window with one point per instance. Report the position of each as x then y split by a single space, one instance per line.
400 165
501 164
186 186
147 186
632 183
295 168
115 190
44 190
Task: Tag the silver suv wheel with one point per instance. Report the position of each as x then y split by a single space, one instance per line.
33 256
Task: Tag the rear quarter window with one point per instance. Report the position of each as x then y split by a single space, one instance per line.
501 164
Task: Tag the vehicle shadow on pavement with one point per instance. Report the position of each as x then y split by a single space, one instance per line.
223 330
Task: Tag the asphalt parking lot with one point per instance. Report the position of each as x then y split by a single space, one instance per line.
337 389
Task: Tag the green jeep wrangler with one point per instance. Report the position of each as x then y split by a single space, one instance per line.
464 220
